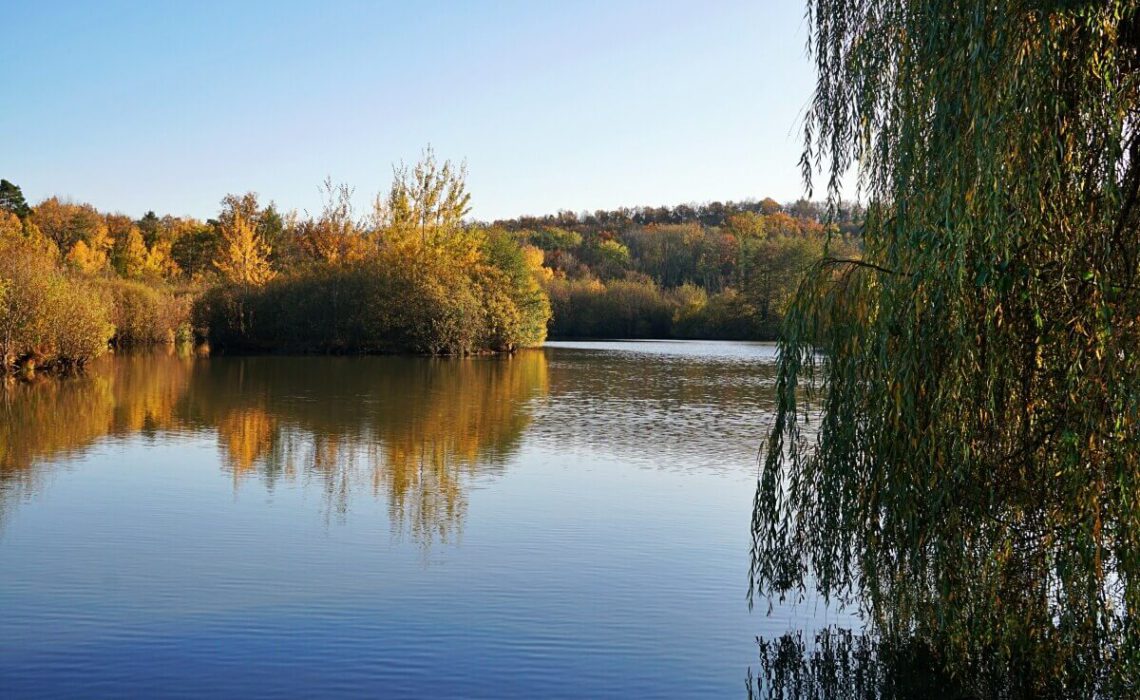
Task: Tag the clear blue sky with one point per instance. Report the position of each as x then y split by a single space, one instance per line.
555 105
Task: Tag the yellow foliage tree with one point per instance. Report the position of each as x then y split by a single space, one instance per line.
160 261
10 225
38 240
66 223
244 256
13 229
131 254
91 240
86 259
426 202
534 258
335 237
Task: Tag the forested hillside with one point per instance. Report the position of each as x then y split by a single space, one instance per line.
718 270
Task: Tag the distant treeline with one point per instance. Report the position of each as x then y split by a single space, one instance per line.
409 275
718 270
847 216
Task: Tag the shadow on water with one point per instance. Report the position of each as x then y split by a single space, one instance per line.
413 430
839 664
956 630
1022 604
842 664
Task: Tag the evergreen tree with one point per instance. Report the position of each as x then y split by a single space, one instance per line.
150 227
12 200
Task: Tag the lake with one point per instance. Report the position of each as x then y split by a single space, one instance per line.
565 522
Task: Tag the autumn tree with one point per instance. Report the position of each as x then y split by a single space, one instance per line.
67 223
10 225
337 235
517 274
242 257
746 225
130 253
88 259
426 200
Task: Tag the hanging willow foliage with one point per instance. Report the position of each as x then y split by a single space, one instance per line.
974 474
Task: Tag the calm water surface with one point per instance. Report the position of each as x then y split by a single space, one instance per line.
567 522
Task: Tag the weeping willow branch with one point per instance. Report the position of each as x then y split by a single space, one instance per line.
973 454
861 263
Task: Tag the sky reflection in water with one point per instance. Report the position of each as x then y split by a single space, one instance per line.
569 522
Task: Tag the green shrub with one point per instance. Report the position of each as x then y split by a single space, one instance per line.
627 308
725 316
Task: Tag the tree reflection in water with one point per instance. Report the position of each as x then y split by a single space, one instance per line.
838 664
413 430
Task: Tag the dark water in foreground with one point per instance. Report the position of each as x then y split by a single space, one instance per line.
568 522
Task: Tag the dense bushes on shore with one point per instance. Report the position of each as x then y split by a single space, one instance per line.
145 314
429 306
622 308
47 317
62 299
52 317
